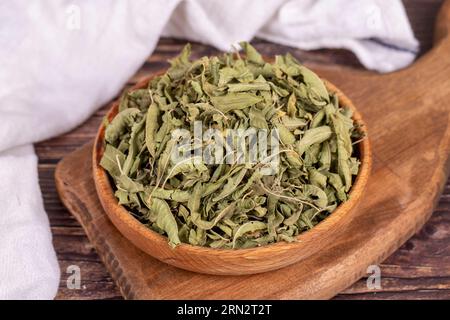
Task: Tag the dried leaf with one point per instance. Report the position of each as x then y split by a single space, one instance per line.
313 136
121 122
235 101
248 227
112 161
166 221
252 54
151 126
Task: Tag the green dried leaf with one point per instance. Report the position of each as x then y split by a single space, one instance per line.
207 225
293 123
166 221
252 226
151 126
318 196
121 122
242 87
174 195
112 161
315 83
231 185
134 146
251 53
313 136
180 64
235 101
316 178
257 119
286 136
292 106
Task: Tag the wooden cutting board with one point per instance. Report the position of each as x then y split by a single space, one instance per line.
408 118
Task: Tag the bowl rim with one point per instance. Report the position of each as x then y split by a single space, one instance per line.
105 191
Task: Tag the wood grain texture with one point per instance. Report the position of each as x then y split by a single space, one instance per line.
419 269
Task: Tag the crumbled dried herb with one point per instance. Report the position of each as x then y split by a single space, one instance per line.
232 205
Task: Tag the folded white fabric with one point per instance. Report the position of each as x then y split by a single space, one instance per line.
28 268
61 60
52 79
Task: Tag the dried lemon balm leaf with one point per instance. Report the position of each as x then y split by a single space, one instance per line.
231 151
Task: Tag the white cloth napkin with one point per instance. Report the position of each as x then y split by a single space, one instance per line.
60 60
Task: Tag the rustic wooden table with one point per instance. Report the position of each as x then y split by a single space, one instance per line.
420 269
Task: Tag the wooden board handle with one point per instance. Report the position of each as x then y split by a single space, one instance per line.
435 59
442 28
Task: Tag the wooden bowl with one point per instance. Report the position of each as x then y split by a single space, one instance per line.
229 261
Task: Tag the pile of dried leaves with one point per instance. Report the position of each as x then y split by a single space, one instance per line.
232 205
